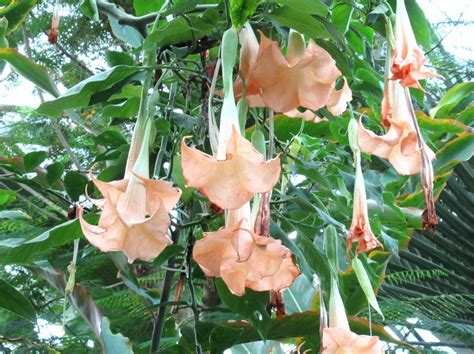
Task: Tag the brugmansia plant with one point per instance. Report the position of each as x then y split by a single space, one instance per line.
244 177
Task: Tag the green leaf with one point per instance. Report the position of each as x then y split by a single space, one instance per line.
223 337
89 8
341 16
110 138
258 141
252 305
241 11
113 343
178 178
365 284
299 296
143 7
55 172
312 7
115 58
439 125
75 184
13 214
81 95
448 103
6 197
59 235
16 12
34 159
458 149
179 30
181 7
299 21
14 301
35 73
125 109
420 26
126 33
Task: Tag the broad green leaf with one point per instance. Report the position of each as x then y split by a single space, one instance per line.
223 337
143 7
258 141
300 21
449 102
3 36
59 235
125 109
113 343
14 301
35 73
252 305
312 7
126 33
34 159
75 184
458 149
89 8
179 30
440 125
331 246
341 16
181 7
241 11
81 95
6 197
55 172
420 26
178 178
13 214
110 138
299 296
16 12
365 284
115 58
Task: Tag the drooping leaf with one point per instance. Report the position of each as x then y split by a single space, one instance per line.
35 73
75 184
89 8
113 343
13 214
449 102
14 301
16 12
6 197
365 284
34 159
80 95
55 171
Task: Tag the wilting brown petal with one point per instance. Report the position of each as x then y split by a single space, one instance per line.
230 183
306 77
340 340
269 266
408 58
400 144
134 217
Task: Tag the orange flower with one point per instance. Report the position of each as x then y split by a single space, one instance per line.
360 230
408 58
230 183
243 259
134 217
400 144
135 210
305 77
340 340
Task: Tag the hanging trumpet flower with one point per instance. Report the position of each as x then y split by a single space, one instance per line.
230 179
360 230
338 338
135 211
305 77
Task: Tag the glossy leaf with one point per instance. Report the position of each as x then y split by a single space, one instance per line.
81 94
75 184
35 73
14 301
34 159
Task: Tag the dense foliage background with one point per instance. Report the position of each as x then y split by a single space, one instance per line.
423 278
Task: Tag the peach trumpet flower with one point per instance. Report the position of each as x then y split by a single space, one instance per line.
305 77
232 182
134 216
244 259
338 338
400 143
408 58
360 230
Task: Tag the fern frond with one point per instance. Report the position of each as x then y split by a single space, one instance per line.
398 278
